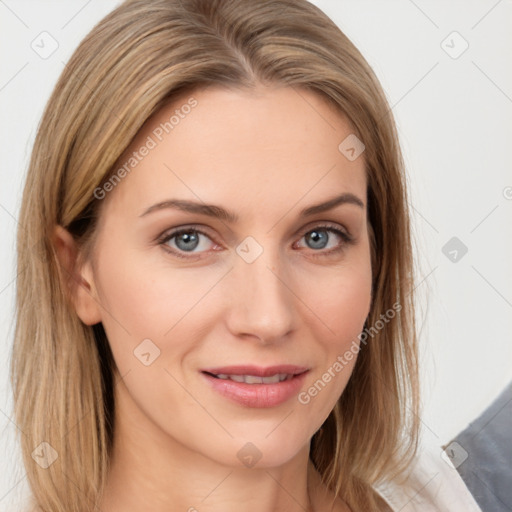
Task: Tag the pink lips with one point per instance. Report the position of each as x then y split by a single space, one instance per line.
257 395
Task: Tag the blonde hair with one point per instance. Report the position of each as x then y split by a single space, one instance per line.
138 58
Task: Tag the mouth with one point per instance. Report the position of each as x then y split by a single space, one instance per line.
250 374
254 386
253 379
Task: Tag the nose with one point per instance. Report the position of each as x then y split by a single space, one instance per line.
262 302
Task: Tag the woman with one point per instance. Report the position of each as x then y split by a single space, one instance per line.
223 270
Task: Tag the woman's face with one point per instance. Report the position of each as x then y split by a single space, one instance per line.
275 291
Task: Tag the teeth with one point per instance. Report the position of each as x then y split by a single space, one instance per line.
253 379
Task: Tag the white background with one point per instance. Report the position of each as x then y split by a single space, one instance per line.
455 122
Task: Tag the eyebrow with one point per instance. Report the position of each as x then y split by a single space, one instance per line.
220 213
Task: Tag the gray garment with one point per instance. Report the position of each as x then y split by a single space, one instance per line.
487 470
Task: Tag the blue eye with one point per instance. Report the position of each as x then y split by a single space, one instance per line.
319 238
188 239
185 240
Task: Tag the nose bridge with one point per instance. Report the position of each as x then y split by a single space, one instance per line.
262 302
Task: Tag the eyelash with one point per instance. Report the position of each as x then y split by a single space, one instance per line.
165 237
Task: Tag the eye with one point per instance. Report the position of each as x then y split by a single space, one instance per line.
185 240
319 238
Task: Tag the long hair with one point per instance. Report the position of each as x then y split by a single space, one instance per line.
137 59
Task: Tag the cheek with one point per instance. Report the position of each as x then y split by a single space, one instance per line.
341 299
150 316
142 300
349 309
341 305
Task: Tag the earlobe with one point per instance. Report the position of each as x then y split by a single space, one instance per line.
77 282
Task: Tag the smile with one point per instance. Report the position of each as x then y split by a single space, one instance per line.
257 387
254 379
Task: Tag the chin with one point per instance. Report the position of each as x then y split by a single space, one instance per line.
262 451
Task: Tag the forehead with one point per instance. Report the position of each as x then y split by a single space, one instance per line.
240 148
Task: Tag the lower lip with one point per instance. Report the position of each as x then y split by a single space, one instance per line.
257 395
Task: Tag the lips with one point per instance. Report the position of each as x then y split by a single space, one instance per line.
256 386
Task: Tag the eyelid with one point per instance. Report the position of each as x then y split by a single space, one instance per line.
327 225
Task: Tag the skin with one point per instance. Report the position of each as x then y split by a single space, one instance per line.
264 154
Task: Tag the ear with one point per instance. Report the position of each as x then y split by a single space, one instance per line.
78 282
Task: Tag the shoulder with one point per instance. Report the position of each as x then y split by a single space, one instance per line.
485 446
432 484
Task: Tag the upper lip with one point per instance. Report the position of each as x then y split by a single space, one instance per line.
257 371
